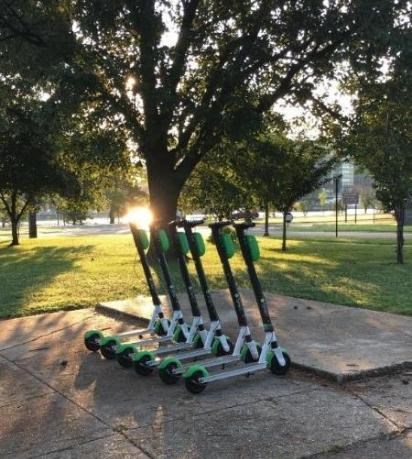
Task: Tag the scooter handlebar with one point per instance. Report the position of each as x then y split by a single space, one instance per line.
220 224
188 223
244 225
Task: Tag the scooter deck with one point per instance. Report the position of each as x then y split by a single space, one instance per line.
247 369
143 331
192 355
158 339
215 362
172 348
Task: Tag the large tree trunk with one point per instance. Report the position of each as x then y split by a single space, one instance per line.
33 225
266 233
164 191
164 194
112 215
14 231
400 221
284 232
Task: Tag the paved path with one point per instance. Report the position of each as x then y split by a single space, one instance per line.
336 341
59 401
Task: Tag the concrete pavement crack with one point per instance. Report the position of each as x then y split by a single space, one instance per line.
46 334
82 408
399 428
339 449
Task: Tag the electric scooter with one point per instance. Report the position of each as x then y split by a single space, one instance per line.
271 355
131 354
178 330
158 324
245 349
216 343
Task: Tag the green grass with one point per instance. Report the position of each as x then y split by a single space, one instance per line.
64 273
371 228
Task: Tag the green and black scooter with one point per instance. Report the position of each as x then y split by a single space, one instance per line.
159 325
202 342
245 349
216 343
271 356
179 333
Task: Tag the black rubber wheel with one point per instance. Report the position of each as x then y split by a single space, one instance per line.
220 351
108 350
167 374
124 358
277 369
193 385
141 367
248 356
92 343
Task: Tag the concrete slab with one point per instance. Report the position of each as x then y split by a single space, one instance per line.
60 401
285 427
391 396
337 341
18 386
20 330
113 447
44 424
123 399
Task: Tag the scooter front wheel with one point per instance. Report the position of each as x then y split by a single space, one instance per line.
218 350
108 350
91 341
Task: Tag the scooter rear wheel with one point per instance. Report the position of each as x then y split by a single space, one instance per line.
124 358
92 343
193 384
167 374
108 350
141 367
248 358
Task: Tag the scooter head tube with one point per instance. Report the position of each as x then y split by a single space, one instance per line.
140 236
163 240
253 247
199 244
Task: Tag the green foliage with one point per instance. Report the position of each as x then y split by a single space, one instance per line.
380 136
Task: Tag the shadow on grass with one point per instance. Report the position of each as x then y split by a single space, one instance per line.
23 272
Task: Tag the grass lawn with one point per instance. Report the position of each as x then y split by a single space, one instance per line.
371 228
69 272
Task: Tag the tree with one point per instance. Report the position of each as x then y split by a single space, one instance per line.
29 167
215 186
380 139
284 171
184 75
